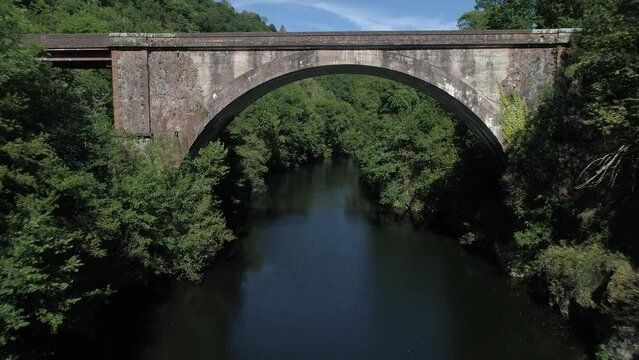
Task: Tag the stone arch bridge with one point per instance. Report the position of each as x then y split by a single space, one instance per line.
190 86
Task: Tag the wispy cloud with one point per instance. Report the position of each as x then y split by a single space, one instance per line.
363 18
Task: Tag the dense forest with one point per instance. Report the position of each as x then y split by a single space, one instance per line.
85 212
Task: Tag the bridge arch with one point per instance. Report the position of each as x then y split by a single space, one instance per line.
191 85
474 109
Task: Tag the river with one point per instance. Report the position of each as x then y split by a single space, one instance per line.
320 274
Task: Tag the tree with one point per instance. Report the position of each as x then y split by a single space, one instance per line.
500 14
48 202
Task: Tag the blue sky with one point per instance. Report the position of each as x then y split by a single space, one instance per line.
354 15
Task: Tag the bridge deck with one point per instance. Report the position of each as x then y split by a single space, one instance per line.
94 50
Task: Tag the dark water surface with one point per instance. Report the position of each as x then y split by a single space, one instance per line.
321 276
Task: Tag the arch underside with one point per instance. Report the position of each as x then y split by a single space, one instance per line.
249 87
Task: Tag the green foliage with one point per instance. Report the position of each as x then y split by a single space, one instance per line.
603 353
405 147
514 114
48 203
45 239
294 125
500 14
575 273
607 68
13 23
168 218
338 116
280 131
534 235
553 14
524 14
621 301
79 16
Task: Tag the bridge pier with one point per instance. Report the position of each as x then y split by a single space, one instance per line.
131 93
